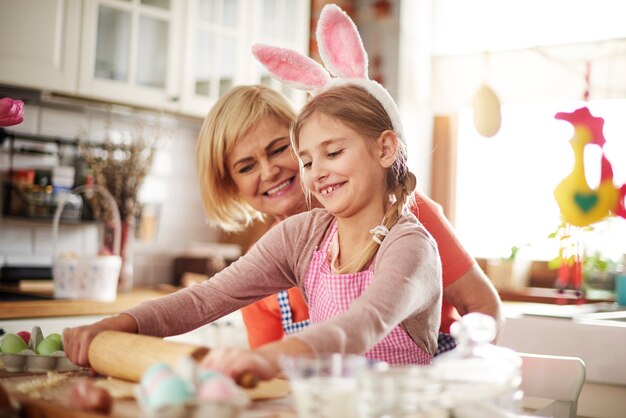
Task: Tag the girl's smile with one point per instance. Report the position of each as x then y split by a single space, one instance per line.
341 168
327 190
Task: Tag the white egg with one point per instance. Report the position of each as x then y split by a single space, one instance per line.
486 107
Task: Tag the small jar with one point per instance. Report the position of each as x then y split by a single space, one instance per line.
476 374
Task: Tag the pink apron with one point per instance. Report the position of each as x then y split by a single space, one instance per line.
330 294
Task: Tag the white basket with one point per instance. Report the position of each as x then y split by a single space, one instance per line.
87 277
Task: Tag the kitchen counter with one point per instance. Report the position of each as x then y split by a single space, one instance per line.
53 401
594 332
64 307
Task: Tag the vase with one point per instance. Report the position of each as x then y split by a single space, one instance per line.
127 249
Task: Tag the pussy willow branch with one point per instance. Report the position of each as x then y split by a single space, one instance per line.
121 169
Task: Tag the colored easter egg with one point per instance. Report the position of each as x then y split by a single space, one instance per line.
25 336
48 346
487 114
88 397
205 374
161 387
57 337
216 390
153 371
168 390
12 343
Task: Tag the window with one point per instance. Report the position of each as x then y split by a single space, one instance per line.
505 183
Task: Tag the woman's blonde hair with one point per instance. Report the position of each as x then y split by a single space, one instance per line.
232 117
359 110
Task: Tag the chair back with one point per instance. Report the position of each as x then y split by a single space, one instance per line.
557 378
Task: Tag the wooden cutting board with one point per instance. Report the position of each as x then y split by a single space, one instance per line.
52 401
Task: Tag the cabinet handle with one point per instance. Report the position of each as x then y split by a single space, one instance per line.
174 98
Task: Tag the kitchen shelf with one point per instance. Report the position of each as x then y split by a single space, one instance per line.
548 295
19 202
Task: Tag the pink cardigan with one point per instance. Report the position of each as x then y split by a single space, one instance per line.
406 288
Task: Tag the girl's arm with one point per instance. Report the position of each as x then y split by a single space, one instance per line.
262 271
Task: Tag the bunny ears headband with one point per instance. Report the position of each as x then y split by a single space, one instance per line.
341 50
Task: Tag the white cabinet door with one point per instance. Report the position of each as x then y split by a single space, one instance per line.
284 23
130 52
219 35
40 43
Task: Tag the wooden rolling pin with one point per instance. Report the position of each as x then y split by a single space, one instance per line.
127 356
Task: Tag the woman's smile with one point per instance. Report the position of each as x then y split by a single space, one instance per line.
281 189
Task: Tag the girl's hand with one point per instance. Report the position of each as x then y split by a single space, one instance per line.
76 341
262 363
239 362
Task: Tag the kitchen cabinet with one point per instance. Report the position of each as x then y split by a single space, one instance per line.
219 35
173 55
40 44
130 52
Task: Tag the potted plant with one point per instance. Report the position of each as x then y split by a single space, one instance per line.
510 272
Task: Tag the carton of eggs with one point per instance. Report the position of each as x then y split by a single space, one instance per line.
189 391
31 352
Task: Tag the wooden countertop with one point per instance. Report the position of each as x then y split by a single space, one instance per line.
65 307
39 397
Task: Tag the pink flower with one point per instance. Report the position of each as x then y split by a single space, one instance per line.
11 111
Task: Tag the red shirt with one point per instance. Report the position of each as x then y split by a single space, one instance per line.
263 318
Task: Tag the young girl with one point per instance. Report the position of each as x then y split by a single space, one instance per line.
247 171
370 271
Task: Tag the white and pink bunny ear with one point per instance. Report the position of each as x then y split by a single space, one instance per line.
340 44
291 67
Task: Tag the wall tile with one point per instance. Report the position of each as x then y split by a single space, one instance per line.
62 123
16 239
70 239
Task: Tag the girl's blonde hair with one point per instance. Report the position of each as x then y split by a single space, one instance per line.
359 110
232 117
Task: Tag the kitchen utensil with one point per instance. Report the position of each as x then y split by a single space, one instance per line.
324 386
127 356
87 277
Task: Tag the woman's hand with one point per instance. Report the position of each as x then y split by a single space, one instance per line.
76 341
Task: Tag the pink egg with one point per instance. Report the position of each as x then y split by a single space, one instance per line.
222 389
